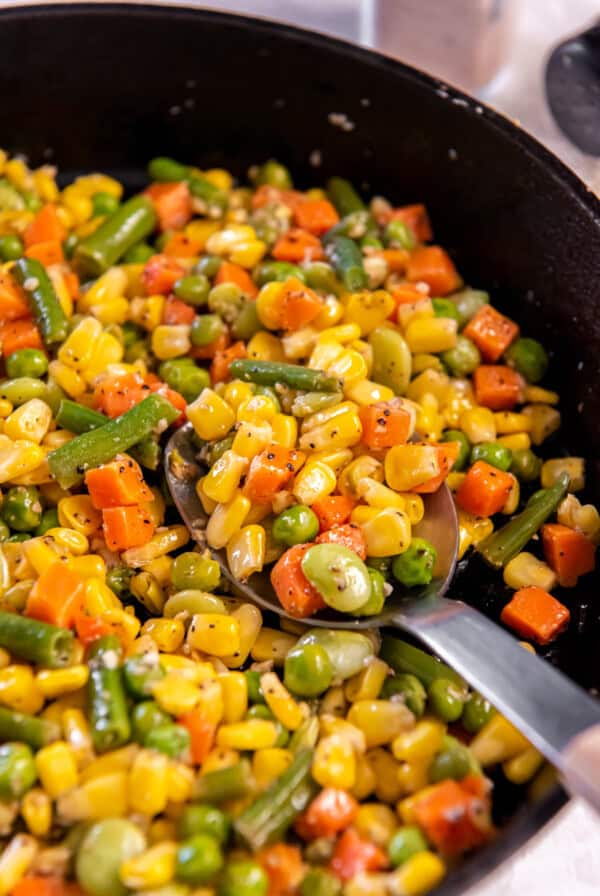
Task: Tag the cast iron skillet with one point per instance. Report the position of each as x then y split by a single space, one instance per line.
109 86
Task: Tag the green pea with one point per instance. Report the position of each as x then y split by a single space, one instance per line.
274 174
456 435
32 202
415 566
452 761
247 323
182 375
141 672
477 713
22 389
139 351
405 843
49 520
525 465
173 740
104 204
445 308
493 453
106 845
145 717
269 271
19 537
204 819
205 329
307 671
17 770
295 525
339 575
208 266
398 235
319 882
11 247
375 603
226 300
383 565
409 688
392 360
260 711
192 570
130 333
4 531
349 652
191 602
464 358
447 699
321 276
468 302
70 244
243 878
370 240
22 508
255 693
27 362
117 579
193 289
198 859
138 254
529 358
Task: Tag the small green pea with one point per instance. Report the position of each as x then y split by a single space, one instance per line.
17 770
130 333
321 276
4 531
464 358
319 882
468 302
104 848
405 843
196 571
138 254
32 202
493 453
477 713
415 566
307 671
398 235
339 575
274 174
446 699
104 204
117 579
410 688
255 694
456 435
525 465
198 859
295 525
11 247
382 565
529 358
70 244
193 289
260 711
247 323
22 508
22 389
140 673
452 761
182 375
173 740
445 308
49 520
370 240
243 878
139 351
145 717
226 300
204 819
205 329
375 603
208 266
270 271
27 362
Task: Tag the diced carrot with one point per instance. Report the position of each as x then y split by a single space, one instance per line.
13 301
298 245
90 628
206 352
453 818
172 203
234 273
447 454
202 734
114 395
535 614
295 593
270 471
329 813
284 867
407 294
353 855
315 215
433 265
56 596
45 226
176 399
568 552
219 369
267 195
415 217
350 536
497 387
385 424
491 332
333 510
484 490
160 274
72 283
48 252
117 483
298 305
17 334
42 886
181 246
397 260
127 527
177 312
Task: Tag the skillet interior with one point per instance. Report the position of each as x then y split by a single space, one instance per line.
109 86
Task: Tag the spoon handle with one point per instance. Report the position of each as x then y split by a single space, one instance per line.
556 715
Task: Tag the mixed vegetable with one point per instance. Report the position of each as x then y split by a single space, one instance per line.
156 736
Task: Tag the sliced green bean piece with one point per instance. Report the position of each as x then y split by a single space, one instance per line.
344 196
47 310
271 373
403 657
347 261
38 642
130 223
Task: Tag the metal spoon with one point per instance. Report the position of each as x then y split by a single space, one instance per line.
557 716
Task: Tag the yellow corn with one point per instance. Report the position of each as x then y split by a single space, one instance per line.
583 517
250 439
67 378
537 395
161 829
248 253
104 796
334 763
226 520
409 465
343 429
544 421
78 348
29 421
257 408
246 552
315 481
268 764
361 468
272 644
176 695
433 335
187 668
208 505
368 310
526 570
171 341
19 690
200 230
250 620
522 767
268 302
509 422
119 760
518 441
214 633
253 734
36 809
211 417
147 313
330 314
57 768
378 496
423 361
15 860
412 311
40 553
471 530
574 467
388 533
385 768
18 174
514 495
5 408
376 822
331 724
281 703
367 684
284 430
80 514
299 343
223 241
479 425
365 781
333 702
153 868
234 688
180 782
235 392
56 682
421 743
44 183
265 346
497 741
98 598
414 776
147 784
380 720
430 382
91 566
164 541
111 285
167 634
344 333
4 656
219 758
18 458
418 875
77 734
69 540
114 311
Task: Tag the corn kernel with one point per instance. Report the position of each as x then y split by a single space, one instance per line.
526 570
56 682
226 520
522 767
285 430
211 417
545 420
268 764
167 634
272 644
253 734
518 441
104 796
380 720
365 780
574 467
147 784
79 513
57 768
235 696
281 703
385 767
36 809
367 684
265 347
29 421
77 734
16 859
250 620
334 763
214 633
497 741
19 690
537 395
479 425
18 458
153 868
418 875
376 822
584 518
387 533
180 782
421 743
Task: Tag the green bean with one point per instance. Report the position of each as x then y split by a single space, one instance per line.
212 451
193 289
224 784
308 671
392 360
349 652
39 642
90 449
272 373
405 843
21 508
456 435
493 453
504 544
140 673
339 575
274 174
17 770
243 878
104 204
173 740
255 693
268 817
22 389
27 362
78 418
355 226
192 602
104 848
269 271
194 571
213 199
347 261
529 358
468 302
447 699
27 729
129 224
398 235
415 566
403 657
146 717
107 706
167 170
306 736
344 196
117 579
70 243
409 688
307 403
204 819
